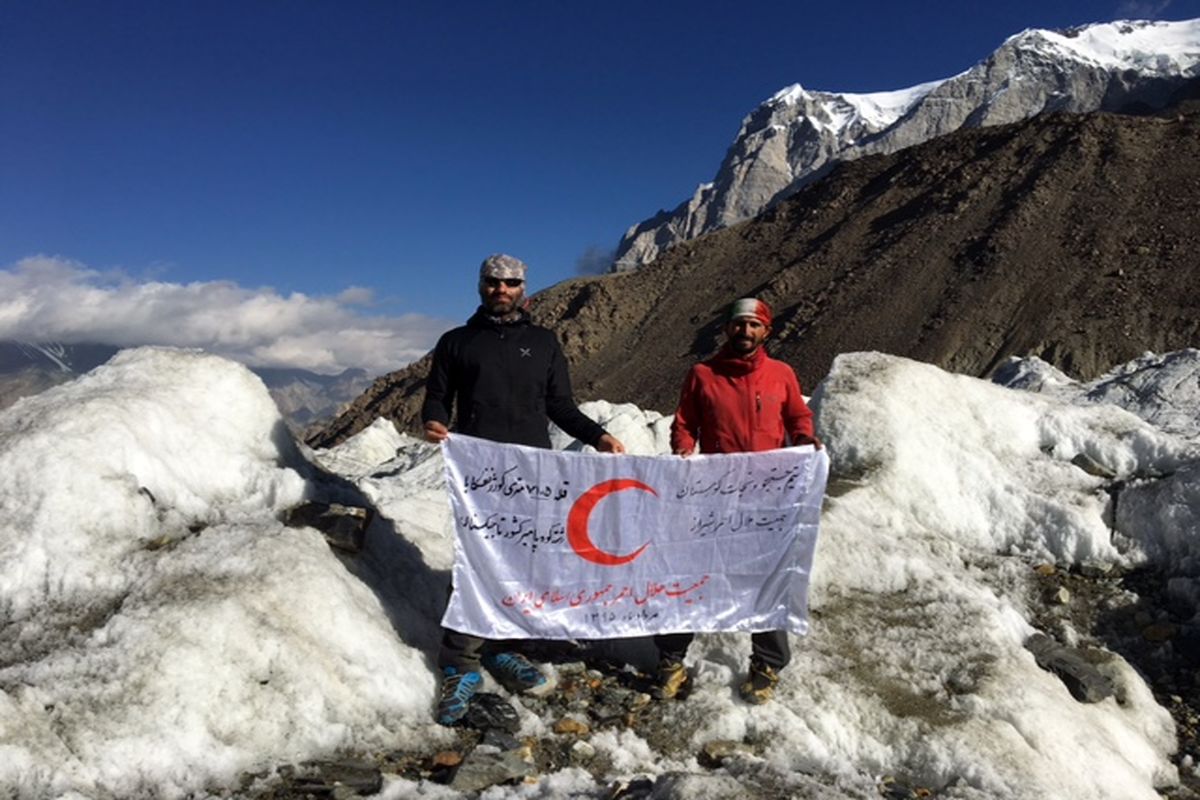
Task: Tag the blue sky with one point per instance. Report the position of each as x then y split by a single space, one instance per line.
287 152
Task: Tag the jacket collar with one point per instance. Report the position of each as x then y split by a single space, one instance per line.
482 319
727 362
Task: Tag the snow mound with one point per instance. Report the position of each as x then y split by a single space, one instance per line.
162 630
165 632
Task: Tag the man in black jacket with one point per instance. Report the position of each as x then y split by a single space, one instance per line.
504 376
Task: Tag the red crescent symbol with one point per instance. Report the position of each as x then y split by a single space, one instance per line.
577 522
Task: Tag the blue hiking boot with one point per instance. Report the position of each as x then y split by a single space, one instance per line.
517 674
457 690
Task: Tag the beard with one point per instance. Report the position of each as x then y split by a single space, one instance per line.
501 306
743 345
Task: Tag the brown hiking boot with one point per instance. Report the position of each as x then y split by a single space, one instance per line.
759 685
672 677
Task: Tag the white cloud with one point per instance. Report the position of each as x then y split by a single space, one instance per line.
46 298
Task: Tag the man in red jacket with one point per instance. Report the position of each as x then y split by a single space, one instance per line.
741 400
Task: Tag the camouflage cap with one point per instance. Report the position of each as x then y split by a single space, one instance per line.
502 266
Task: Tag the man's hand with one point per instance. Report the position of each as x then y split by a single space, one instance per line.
814 441
436 432
610 444
685 453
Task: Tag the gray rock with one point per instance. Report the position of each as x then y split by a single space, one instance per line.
1059 597
500 739
1074 666
344 527
486 766
1097 569
717 752
1092 467
340 777
614 702
490 711
582 752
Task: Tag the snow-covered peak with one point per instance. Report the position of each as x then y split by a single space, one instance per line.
1145 47
788 95
884 108
875 109
796 134
1142 46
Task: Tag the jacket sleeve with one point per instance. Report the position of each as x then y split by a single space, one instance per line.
560 405
439 389
797 416
685 428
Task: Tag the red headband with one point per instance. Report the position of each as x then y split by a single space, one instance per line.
751 307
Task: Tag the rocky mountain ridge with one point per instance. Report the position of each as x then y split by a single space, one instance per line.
797 135
1067 236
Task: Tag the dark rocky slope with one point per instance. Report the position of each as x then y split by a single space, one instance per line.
1071 237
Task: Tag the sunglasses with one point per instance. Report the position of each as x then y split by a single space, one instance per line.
511 283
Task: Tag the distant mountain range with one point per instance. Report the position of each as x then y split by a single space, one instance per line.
27 368
52 357
797 135
303 397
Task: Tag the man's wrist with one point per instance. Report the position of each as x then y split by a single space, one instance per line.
435 431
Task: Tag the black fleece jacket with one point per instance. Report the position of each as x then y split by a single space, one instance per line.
504 380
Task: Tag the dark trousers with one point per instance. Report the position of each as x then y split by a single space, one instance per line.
464 651
768 647
461 650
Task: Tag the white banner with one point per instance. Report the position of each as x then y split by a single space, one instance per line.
556 545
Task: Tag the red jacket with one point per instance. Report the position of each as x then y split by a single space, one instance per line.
739 405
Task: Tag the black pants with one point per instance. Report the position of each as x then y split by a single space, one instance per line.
461 650
769 647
